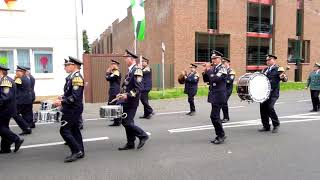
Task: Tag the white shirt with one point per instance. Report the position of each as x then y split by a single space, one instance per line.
131 67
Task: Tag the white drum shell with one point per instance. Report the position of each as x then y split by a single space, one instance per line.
111 111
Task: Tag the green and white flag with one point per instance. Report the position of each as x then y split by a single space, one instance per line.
139 20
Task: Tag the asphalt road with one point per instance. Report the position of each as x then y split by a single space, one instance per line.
179 146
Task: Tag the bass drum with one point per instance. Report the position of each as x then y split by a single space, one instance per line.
254 87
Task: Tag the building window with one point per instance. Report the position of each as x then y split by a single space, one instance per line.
6 58
259 18
205 43
257 49
23 57
305 51
43 62
212 14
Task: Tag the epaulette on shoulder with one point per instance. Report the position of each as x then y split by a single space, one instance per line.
18 81
280 69
147 69
6 83
138 72
77 81
116 72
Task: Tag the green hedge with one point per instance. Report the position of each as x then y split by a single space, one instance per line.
203 90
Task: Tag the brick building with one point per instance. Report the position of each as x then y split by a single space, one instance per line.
244 30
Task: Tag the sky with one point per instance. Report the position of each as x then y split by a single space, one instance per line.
98 15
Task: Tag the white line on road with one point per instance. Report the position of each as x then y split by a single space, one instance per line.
62 142
306 100
249 123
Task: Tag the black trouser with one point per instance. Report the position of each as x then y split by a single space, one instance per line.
70 131
23 116
191 102
215 119
7 136
29 118
225 108
115 120
132 130
267 111
145 101
315 99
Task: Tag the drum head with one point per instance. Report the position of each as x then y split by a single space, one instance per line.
259 88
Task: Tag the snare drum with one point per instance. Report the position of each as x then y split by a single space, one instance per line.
254 87
111 112
46 105
43 116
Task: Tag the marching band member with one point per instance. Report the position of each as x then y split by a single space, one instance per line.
7 110
275 74
132 87
147 86
72 108
215 76
33 95
230 78
191 87
113 76
24 100
314 83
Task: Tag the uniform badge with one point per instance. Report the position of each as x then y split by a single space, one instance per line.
214 84
6 90
139 78
111 75
211 75
75 87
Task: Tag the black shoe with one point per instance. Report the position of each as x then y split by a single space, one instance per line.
28 131
219 140
275 129
225 120
142 142
192 113
264 129
188 113
17 145
115 124
313 110
149 116
5 152
82 156
126 147
73 157
32 126
81 127
143 117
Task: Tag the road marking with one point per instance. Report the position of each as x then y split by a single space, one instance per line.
236 107
306 100
61 142
250 123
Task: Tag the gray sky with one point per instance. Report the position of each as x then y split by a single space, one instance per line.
99 14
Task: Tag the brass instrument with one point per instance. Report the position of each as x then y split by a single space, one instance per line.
182 78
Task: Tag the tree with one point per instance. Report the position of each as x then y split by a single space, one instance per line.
86 46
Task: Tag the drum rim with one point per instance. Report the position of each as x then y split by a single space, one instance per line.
268 92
